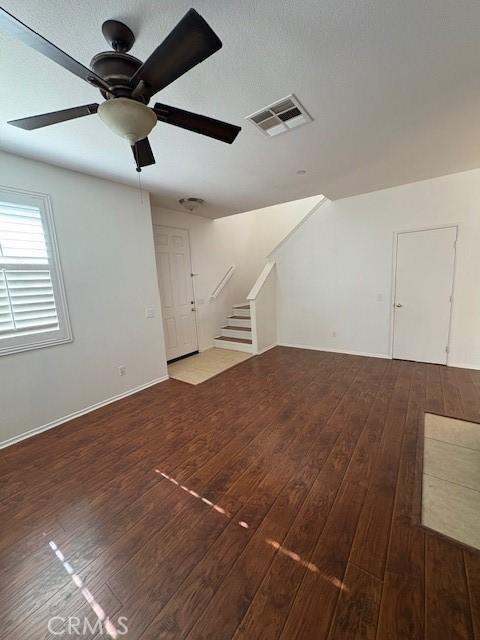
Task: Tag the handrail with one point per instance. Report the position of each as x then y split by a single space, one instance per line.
219 288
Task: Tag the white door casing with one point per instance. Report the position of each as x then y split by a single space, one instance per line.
424 273
172 251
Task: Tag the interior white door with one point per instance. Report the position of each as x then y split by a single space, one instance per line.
423 294
172 250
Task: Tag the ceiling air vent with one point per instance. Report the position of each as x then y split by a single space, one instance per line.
280 117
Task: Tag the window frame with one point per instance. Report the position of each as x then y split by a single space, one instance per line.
62 335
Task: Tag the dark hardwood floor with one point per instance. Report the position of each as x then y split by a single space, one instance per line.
294 516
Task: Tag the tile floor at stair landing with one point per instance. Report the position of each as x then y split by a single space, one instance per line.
205 365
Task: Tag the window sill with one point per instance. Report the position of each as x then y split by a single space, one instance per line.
18 348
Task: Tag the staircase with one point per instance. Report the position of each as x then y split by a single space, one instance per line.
237 334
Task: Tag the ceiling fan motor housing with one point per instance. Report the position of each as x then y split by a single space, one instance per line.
116 69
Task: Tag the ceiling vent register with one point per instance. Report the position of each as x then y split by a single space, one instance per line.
281 116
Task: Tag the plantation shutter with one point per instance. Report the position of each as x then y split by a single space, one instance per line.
27 298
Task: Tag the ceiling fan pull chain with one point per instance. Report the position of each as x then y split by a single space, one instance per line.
137 160
140 186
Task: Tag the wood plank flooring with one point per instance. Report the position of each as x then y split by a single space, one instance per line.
277 501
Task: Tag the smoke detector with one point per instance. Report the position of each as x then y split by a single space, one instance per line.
281 116
190 204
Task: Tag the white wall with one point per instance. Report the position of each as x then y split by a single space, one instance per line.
335 272
105 241
245 240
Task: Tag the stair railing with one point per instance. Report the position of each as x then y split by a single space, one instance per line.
220 286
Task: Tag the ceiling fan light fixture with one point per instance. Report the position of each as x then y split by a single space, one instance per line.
190 204
128 118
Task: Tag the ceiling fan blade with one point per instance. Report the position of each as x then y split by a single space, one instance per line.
190 42
14 27
143 154
197 123
46 119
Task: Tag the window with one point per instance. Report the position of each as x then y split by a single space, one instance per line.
33 310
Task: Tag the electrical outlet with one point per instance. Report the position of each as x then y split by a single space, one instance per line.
122 370
149 312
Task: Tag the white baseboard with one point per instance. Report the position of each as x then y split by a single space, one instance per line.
77 414
460 365
259 353
385 356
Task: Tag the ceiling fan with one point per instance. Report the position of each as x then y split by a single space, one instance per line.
127 84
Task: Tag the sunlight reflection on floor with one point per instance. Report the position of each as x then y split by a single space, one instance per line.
273 543
96 608
291 554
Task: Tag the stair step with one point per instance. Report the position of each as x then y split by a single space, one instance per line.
241 311
239 321
239 340
241 306
236 332
233 344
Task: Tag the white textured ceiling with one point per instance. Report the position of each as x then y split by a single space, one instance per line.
393 87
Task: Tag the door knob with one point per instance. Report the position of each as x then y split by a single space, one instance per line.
399 305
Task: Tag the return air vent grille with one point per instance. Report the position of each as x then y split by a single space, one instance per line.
281 116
